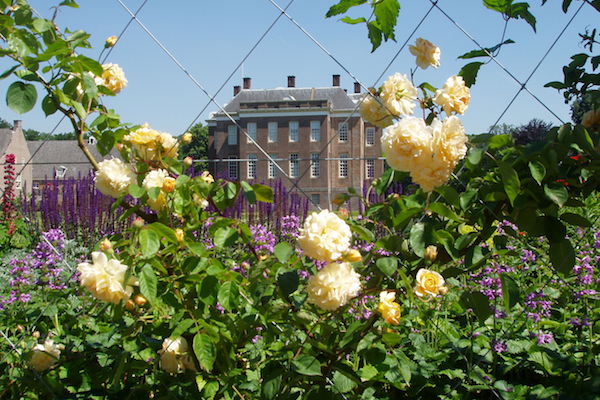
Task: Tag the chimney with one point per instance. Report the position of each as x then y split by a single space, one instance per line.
336 80
247 83
291 81
16 124
356 87
236 90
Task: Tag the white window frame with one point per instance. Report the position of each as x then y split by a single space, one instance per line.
315 165
251 130
272 128
272 169
232 138
370 167
294 168
18 182
294 134
343 132
251 166
315 131
343 166
370 136
312 198
232 166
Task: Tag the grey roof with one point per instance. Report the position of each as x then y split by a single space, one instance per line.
337 97
53 154
5 137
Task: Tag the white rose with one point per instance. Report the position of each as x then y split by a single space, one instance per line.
450 142
114 177
113 78
44 356
426 52
405 141
174 357
169 145
106 278
324 236
454 96
156 178
333 286
372 110
399 95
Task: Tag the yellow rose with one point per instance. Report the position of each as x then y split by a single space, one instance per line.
431 253
106 279
324 236
106 245
152 145
426 52
114 177
405 141
450 142
399 95
179 234
168 184
207 177
156 178
110 41
113 78
186 138
388 308
352 256
44 356
174 357
333 286
429 283
373 111
454 96
188 161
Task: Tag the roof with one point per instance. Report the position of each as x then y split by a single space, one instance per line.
5 137
52 155
336 96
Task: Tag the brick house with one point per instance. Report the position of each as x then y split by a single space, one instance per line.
12 141
316 135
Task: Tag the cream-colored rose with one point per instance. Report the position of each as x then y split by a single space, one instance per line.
399 95
591 119
156 178
389 309
174 356
113 78
152 145
188 161
168 145
454 96
186 138
333 286
352 256
405 141
110 41
430 172
44 356
207 177
373 111
429 283
106 278
169 184
179 234
431 253
426 52
114 177
324 236
450 142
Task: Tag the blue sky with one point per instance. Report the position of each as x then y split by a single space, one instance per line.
210 38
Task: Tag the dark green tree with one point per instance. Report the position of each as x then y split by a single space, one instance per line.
198 147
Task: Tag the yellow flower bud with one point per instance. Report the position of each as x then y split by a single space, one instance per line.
262 257
186 138
168 184
352 256
431 253
110 41
443 290
129 305
389 309
140 300
179 234
106 245
138 222
36 334
188 161
207 177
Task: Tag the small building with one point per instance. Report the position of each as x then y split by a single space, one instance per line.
315 135
12 141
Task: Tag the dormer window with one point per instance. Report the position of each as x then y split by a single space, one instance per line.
61 171
92 140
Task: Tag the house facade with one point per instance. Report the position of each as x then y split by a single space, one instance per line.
315 135
12 141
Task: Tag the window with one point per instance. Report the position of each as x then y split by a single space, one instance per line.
251 129
343 132
370 168
294 131
18 182
272 168
272 135
294 165
315 165
232 135
61 171
315 198
370 136
232 167
315 131
343 166
251 166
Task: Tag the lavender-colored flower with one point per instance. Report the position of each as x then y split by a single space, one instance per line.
499 346
544 338
290 226
264 240
528 256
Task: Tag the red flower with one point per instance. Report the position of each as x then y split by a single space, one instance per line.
564 182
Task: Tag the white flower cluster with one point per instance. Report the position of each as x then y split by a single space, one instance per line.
106 278
113 78
114 177
324 236
333 286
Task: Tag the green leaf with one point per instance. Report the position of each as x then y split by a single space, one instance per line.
307 365
228 295
510 179
418 238
42 25
576 219
248 192
164 231
21 97
149 242
386 14
498 141
205 350
375 36
342 7
288 282
181 328
538 171
271 376
557 193
363 233
283 251
510 291
449 194
353 21
387 265
48 105
475 155
263 193
9 71
148 283
469 72
484 52
367 372
444 211
342 383
562 256
136 191
478 303
225 236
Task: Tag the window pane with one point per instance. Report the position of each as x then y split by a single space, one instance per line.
315 131
294 165
370 168
232 167
343 166
315 165
343 132
272 128
315 198
251 129
251 166
232 135
272 169
370 136
294 131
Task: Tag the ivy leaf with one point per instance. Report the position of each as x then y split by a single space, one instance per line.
148 283
205 350
342 7
21 97
307 365
469 72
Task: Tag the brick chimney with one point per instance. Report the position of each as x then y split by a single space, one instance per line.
356 87
236 90
291 81
247 83
336 80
